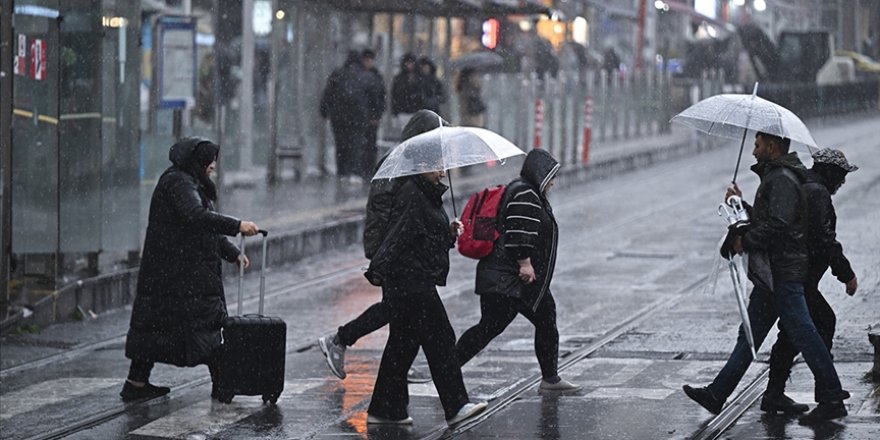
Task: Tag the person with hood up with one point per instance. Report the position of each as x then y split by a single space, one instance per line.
471 108
411 262
347 101
180 304
827 175
433 91
407 90
515 278
778 267
378 217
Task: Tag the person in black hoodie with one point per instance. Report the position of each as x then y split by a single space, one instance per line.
778 267
180 303
407 89
515 278
434 93
348 101
828 174
411 261
378 218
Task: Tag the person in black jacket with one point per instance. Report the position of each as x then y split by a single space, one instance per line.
180 303
433 91
347 101
515 277
828 174
378 218
412 260
778 265
407 90
376 92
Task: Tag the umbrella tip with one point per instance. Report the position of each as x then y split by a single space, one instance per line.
755 90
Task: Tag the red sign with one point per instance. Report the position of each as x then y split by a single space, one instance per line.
19 61
38 60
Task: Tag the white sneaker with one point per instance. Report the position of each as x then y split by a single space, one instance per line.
467 411
563 386
376 420
334 353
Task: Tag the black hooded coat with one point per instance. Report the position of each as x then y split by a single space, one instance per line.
180 303
528 230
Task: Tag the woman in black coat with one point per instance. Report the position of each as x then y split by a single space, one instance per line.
515 277
180 303
411 262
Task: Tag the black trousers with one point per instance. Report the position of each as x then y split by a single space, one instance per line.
418 319
497 312
783 352
375 317
350 139
139 371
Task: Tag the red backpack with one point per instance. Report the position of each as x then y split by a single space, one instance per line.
480 220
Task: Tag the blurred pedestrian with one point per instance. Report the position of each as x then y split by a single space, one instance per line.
827 175
346 102
407 93
778 268
411 262
515 278
376 94
471 108
180 303
433 91
378 218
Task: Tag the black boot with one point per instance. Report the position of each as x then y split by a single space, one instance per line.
148 391
705 398
778 402
824 411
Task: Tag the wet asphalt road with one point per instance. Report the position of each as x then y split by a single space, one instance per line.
635 323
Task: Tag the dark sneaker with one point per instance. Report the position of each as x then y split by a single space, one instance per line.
414 375
149 391
467 411
705 398
376 420
824 411
334 352
773 403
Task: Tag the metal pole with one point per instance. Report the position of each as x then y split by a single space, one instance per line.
272 86
6 8
246 116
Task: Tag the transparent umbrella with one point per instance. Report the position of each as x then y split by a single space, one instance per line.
733 115
445 148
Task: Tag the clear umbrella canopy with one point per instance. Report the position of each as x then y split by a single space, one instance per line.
445 148
730 114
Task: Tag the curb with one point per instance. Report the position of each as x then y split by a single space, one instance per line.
111 291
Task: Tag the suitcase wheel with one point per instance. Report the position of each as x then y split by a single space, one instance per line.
270 398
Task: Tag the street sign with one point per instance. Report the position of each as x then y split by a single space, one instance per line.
38 59
177 62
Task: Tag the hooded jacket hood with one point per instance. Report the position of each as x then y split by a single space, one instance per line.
181 154
789 160
539 168
422 121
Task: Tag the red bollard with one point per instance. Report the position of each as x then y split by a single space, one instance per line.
539 121
588 130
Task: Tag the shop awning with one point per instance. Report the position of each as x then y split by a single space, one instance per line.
442 8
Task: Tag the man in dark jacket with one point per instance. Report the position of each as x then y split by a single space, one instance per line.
407 94
180 303
515 277
412 260
378 217
777 238
829 171
346 102
433 91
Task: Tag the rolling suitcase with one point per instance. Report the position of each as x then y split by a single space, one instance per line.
254 347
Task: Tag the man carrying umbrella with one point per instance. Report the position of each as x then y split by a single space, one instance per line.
778 264
828 174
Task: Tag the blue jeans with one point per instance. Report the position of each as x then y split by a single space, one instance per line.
787 303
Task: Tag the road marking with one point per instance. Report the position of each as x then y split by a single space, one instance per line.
629 393
203 419
50 392
623 370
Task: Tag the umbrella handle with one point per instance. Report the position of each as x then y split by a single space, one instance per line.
452 194
742 145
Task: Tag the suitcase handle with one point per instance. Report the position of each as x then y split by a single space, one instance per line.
265 235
